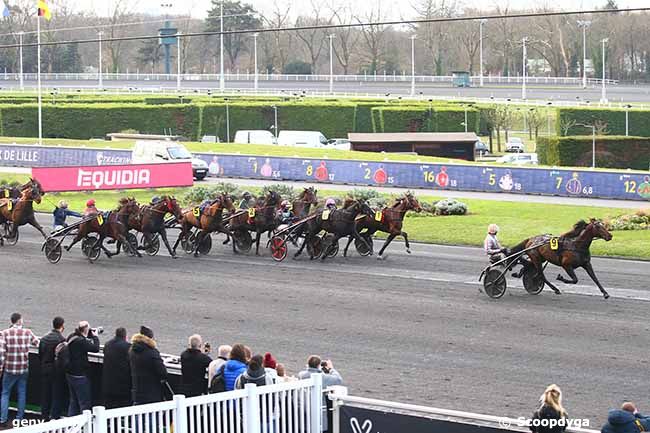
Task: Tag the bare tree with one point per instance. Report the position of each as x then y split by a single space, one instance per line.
119 12
314 39
346 37
374 37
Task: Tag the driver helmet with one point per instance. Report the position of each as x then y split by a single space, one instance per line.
63 204
493 229
284 203
155 199
330 202
90 203
246 195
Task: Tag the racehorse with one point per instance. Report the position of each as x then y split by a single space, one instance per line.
569 251
262 218
114 226
390 221
10 191
22 211
339 222
303 203
207 221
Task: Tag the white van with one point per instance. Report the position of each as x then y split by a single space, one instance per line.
151 151
258 136
302 139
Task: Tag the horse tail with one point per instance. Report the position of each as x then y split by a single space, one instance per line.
519 247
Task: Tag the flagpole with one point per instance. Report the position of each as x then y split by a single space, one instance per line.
38 77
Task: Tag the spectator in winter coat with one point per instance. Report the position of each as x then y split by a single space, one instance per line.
148 371
331 377
80 343
52 379
194 365
255 373
116 373
235 365
551 409
627 419
222 356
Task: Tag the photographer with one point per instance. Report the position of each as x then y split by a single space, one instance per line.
331 377
79 344
194 364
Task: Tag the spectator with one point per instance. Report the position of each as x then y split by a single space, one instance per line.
255 373
235 366
331 377
551 408
194 364
80 343
282 374
270 364
15 362
222 356
116 373
627 419
148 372
52 380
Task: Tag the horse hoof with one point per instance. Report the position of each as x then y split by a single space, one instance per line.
408 251
380 257
174 256
557 292
606 295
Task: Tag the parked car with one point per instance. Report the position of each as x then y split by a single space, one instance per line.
312 139
339 143
480 148
515 144
153 151
209 139
256 136
519 159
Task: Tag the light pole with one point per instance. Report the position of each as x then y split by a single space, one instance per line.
22 83
603 96
222 79
413 65
480 41
275 122
523 82
548 118
465 118
627 119
178 61
584 25
101 82
255 77
331 37
227 121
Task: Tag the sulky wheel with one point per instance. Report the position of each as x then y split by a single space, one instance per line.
315 247
533 281
133 241
362 249
332 249
278 248
53 250
187 242
8 228
494 283
91 247
206 245
243 241
153 246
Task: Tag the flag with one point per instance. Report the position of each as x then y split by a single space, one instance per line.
44 10
5 8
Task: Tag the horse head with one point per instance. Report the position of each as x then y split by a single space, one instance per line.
172 206
32 193
227 202
598 230
272 199
349 201
412 203
362 207
308 196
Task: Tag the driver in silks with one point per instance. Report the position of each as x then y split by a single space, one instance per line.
492 245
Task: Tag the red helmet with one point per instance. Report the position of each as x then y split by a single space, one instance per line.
90 202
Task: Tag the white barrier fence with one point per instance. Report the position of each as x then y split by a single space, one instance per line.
288 407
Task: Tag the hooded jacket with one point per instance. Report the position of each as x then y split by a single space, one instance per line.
116 374
232 369
147 370
622 421
547 412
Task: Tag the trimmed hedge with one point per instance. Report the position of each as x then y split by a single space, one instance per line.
423 119
611 151
639 121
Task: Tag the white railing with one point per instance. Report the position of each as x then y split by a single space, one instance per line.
249 76
288 407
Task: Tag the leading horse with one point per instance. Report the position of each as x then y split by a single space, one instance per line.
569 251
262 218
21 212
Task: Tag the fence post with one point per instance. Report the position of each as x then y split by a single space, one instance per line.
98 419
252 424
336 391
181 414
317 403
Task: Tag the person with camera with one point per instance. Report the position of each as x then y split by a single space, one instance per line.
116 373
331 377
194 365
52 379
83 341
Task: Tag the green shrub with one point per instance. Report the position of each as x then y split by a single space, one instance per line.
614 119
450 206
611 151
639 220
364 194
287 192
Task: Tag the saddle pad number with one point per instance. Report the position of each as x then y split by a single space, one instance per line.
6 193
325 216
196 212
378 215
100 219
10 205
554 244
251 212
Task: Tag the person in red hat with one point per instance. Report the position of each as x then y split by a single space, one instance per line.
270 364
91 209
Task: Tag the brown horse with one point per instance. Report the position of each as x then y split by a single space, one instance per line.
390 222
208 221
304 202
22 211
113 226
569 251
262 218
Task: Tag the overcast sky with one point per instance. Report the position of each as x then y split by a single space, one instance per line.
198 8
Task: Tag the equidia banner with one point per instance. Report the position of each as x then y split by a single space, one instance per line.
455 177
133 176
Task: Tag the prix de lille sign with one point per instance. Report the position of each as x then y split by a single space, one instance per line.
107 177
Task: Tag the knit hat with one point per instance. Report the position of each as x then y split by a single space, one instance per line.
269 360
147 332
